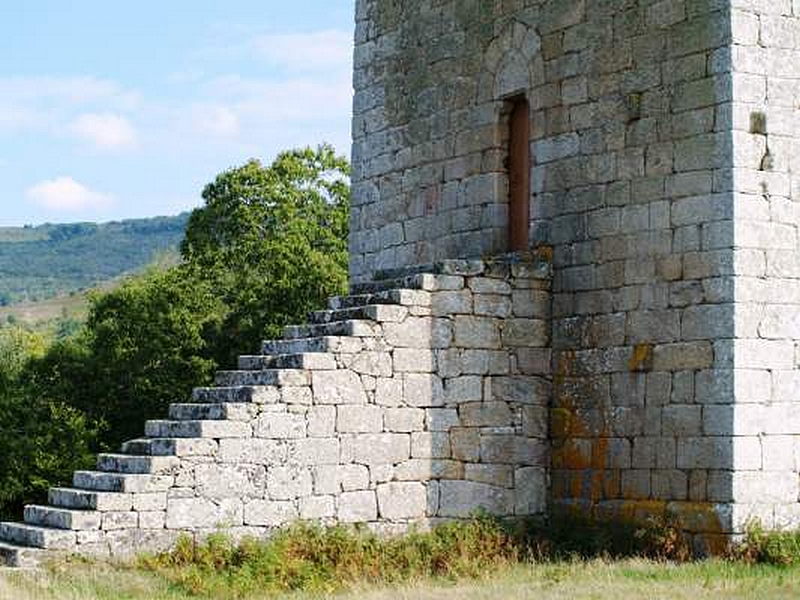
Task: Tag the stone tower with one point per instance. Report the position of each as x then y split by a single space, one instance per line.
575 281
662 157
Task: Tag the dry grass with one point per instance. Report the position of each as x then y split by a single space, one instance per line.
33 313
575 580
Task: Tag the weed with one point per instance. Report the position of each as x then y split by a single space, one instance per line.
568 535
312 558
316 559
781 548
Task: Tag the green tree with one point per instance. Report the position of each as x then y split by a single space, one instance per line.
42 440
273 240
269 245
145 344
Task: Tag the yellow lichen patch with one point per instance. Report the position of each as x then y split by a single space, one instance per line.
642 358
560 419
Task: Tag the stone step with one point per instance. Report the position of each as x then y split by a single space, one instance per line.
171 447
212 412
20 557
37 536
382 313
121 482
240 394
197 429
62 518
411 282
318 361
280 377
357 328
329 343
90 500
430 282
403 297
127 463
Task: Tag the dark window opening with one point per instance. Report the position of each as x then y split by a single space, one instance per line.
519 175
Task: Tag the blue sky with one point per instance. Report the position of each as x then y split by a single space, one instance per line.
113 110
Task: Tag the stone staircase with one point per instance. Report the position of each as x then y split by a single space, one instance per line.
320 425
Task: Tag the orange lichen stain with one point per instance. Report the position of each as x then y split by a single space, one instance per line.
581 440
576 484
597 485
600 453
696 516
642 358
612 482
544 253
573 454
713 544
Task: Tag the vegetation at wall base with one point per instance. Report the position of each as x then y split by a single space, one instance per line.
780 548
316 559
481 559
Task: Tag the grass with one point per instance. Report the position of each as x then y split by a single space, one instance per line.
74 306
479 559
574 579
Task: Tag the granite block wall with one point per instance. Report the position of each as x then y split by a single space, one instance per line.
662 152
765 56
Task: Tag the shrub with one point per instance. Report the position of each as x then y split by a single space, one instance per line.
567 535
780 548
314 558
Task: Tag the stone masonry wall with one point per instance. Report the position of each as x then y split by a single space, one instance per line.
765 120
416 400
633 188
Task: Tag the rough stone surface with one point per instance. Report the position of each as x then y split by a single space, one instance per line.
642 355
664 186
391 437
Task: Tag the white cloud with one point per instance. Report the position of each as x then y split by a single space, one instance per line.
66 194
46 104
74 90
314 51
186 76
214 119
16 118
284 100
105 130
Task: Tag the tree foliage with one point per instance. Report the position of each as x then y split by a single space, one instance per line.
37 263
268 245
145 344
42 439
273 240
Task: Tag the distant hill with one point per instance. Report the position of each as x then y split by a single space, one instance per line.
37 263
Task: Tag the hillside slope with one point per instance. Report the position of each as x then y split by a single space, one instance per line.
37 263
